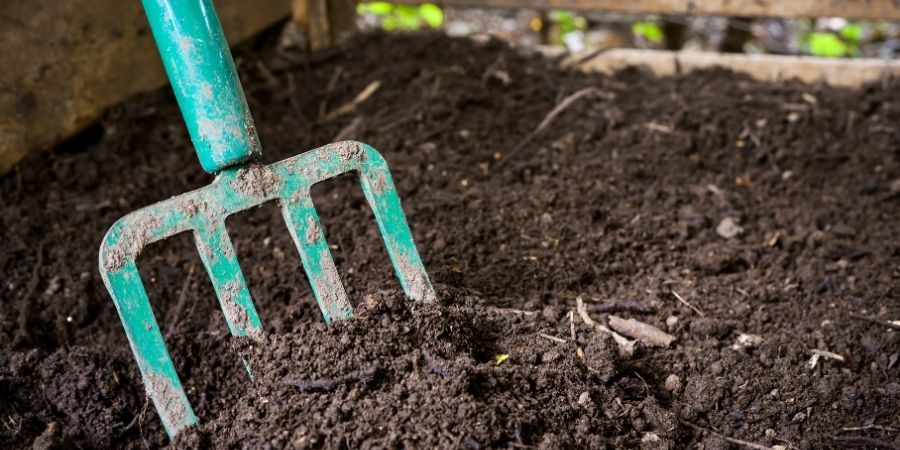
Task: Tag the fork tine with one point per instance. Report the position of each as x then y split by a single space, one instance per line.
306 230
158 372
220 260
378 187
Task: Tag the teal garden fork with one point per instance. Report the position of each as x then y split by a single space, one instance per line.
200 68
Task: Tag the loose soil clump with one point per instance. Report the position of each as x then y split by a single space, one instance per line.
755 223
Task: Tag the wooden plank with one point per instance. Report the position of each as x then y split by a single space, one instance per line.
325 23
836 72
66 61
855 9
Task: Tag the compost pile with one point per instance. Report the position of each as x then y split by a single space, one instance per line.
756 223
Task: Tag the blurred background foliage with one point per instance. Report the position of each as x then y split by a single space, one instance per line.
825 37
393 16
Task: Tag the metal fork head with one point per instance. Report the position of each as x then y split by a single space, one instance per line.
204 211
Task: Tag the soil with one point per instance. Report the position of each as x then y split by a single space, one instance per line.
622 201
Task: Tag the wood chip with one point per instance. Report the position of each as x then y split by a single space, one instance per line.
728 228
350 106
745 341
828 355
552 338
641 331
626 346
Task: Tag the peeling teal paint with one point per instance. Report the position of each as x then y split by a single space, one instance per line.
198 61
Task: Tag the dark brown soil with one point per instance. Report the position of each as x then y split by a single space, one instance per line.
617 201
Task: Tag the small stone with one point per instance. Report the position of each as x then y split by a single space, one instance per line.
672 383
799 417
671 322
49 439
550 356
584 399
551 313
813 361
770 432
651 441
747 341
894 187
728 229
546 219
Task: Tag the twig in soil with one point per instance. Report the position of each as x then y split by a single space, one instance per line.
138 416
552 338
329 88
627 306
141 419
886 323
685 302
518 312
870 427
572 325
626 346
13 428
351 131
732 440
548 119
350 106
641 331
327 384
867 441
578 350
828 355
264 70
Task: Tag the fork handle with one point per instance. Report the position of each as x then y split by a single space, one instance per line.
195 54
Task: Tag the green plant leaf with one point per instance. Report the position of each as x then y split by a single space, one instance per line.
567 21
852 32
376 8
828 45
649 31
408 17
500 358
389 23
432 14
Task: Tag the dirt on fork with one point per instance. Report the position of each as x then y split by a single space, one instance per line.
756 223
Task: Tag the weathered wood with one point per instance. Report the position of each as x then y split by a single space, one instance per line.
857 9
325 23
836 72
64 62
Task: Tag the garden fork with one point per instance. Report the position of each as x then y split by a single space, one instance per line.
200 68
